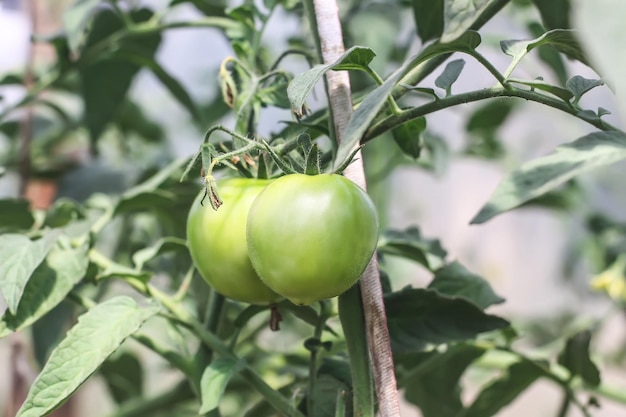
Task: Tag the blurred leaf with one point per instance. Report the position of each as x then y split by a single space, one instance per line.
48 330
123 375
602 35
131 119
408 136
19 257
163 245
576 357
375 100
435 153
581 85
504 390
355 58
76 19
428 16
410 244
564 198
449 75
563 40
490 116
48 286
554 13
460 16
561 93
454 280
214 380
275 95
15 214
98 333
63 211
105 82
541 175
208 7
434 384
418 317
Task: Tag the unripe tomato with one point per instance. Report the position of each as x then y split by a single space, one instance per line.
310 237
217 242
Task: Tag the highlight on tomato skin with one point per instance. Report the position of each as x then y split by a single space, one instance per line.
217 242
310 237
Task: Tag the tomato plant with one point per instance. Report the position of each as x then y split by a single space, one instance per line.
311 236
217 242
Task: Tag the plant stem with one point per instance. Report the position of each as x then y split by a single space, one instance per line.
164 401
564 405
353 323
317 335
394 121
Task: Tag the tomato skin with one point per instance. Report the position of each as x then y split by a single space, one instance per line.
310 237
217 242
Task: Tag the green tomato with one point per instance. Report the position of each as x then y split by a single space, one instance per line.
217 242
310 237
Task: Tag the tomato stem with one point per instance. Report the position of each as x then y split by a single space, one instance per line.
325 312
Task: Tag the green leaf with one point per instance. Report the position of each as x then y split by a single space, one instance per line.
580 85
376 99
460 16
563 40
98 333
123 375
410 244
576 357
489 117
434 383
541 175
408 136
561 93
214 380
553 58
418 317
449 75
76 19
63 211
603 32
208 7
19 257
555 14
355 58
49 284
454 280
503 391
163 245
105 82
428 16
172 84
15 214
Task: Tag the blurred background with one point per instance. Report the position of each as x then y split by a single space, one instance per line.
535 257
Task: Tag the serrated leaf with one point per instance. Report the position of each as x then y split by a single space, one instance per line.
355 58
15 214
166 244
434 383
48 286
561 93
460 16
428 16
410 244
76 19
408 136
602 31
375 100
563 40
214 380
541 175
98 333
454 280
580 85
576 357
449 75
19 257
418 317
503 391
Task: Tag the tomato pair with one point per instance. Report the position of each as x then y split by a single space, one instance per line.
306 237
